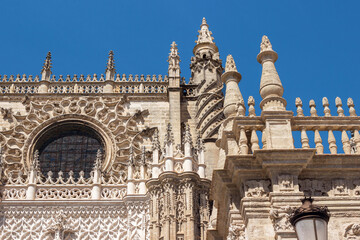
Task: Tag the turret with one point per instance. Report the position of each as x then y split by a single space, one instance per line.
206 63
271 89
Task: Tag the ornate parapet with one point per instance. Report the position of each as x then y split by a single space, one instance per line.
84 84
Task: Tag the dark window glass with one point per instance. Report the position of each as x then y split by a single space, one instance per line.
66 149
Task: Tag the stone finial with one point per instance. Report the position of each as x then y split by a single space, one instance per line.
143 156
46 70
187 134
271 89
199 143
35 165
230 64
299 104
155 140
131 160
169 136
312 105
47 64
109 74
204 33
110 66
265 44
351 106
251 104
174 58
98 160
338 104
325 103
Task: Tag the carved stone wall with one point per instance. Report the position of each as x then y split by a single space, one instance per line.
120 220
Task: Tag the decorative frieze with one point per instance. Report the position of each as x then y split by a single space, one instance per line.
330 187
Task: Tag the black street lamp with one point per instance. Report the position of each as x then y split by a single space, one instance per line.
310 221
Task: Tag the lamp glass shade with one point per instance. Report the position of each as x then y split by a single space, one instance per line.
311 229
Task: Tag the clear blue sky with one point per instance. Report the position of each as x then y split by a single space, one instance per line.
317 41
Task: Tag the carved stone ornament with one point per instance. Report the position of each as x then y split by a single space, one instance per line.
204 33
110 117
265 44
124 221
257 188
236 232
340 187
286 182
352 232
230 64
280 218
174 58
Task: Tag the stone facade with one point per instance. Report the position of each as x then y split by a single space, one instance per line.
179 160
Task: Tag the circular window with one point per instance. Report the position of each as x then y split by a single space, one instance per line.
68 147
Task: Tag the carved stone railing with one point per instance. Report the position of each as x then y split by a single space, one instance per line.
109 186
326 133
83 84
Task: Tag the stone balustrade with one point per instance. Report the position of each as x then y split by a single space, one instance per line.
329 133
112 186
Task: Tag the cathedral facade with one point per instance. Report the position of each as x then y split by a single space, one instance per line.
157 157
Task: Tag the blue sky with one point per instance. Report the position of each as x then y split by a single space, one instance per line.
317 41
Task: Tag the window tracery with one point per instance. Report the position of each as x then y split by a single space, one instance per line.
69 147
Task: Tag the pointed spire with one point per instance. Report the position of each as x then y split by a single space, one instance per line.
46 70
111 63
204 33
230 64
110 71
47 64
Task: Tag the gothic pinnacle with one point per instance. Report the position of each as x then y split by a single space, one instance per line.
47 64
131 160
233 102
270 84
111 63
204 33
187 135
174 60
169 136
155 141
